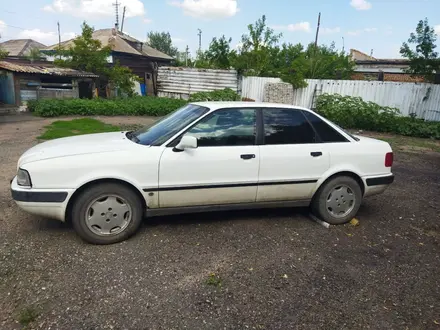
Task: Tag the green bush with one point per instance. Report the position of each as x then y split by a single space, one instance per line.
134 106
226 94
353 112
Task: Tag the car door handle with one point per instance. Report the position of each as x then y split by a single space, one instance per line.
247 156
316 153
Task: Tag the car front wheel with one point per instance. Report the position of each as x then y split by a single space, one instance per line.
107 213
338 200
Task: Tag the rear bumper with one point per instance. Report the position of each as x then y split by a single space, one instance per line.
377 184
48 203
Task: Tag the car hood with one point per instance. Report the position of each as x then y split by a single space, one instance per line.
77 145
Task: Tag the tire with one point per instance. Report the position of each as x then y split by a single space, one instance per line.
331 194
106 220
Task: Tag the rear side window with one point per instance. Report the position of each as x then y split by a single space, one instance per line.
325 131
287 126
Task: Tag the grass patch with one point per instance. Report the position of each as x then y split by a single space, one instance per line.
27 315
64 128
214 280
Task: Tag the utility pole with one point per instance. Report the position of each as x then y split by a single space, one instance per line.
123 18
186 55
317 31
116 5
200 40
59 37
343 45
371 54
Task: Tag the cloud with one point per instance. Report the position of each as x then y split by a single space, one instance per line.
2 26
302 26
207 9
47 38
358 32
95 8
360 4
147 20
330 30
436 29
177 40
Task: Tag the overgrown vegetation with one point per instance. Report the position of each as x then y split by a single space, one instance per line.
133 106
226 94
27 315
353 112
162 41
63 128
88 54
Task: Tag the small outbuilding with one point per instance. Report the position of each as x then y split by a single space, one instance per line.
21 81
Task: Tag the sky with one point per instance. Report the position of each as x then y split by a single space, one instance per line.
366 25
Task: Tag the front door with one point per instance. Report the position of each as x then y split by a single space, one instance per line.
291 158
223 169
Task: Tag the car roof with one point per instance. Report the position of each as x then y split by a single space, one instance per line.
214 105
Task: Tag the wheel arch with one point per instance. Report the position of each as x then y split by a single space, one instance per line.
351 174
86 185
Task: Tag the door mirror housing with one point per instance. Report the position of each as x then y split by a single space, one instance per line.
187 142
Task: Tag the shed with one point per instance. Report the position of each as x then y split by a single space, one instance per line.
21 82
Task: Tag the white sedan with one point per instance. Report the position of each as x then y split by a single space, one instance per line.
204 156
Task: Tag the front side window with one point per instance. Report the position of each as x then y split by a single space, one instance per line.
287 126
326 133
228 127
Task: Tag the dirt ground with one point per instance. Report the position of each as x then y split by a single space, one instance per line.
272 269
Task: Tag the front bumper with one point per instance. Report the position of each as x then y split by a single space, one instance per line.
47 203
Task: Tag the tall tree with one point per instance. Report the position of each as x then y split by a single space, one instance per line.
162 41
88 54
424 60
218 53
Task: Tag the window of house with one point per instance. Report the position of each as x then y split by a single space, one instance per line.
287 126
229 127
324 130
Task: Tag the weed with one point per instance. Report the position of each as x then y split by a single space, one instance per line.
214 280
27 315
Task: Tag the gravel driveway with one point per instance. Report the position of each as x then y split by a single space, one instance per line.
272 269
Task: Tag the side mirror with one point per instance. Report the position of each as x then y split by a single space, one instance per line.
187 142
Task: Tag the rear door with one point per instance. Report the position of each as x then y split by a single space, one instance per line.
223 169
292 159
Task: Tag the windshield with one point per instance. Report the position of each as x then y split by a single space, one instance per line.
160 131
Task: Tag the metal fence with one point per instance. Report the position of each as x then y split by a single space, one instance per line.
421 99
182 82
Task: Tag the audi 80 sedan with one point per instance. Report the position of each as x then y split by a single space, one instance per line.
202 157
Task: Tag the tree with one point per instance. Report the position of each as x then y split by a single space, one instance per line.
88 54
34 54
218 54
254 56
423 59
3 53
162 41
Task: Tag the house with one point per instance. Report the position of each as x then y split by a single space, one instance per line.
21 81
142 59
371 68
20 47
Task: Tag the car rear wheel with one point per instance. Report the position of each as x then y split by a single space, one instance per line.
338 200
107 213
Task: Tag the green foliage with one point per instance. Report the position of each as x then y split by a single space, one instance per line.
133 106
162 41
214 280
88 54
35 55
218 54
424 60
353 112
3 53
27 315
226 94
63 128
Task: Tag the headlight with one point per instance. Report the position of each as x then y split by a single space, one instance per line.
23 178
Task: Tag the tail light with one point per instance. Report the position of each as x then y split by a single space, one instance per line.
389 159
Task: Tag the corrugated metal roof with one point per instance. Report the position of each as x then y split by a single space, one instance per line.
20 47
48 70
119 42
